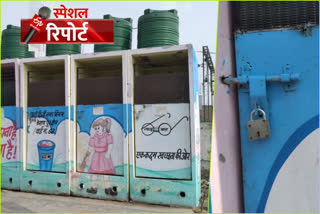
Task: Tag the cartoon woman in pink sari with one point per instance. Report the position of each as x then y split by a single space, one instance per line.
101 143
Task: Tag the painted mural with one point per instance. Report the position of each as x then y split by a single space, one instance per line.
162 141
10 165
47 139
8 136
100 139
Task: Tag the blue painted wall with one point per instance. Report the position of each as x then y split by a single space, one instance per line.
293 112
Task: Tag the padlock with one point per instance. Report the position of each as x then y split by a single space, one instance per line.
258 129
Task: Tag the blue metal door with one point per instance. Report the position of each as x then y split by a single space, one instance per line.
278 72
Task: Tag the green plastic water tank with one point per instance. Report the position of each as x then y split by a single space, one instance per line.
122 35
158 28
62 49
11 46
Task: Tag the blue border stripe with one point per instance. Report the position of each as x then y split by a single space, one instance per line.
82 130
294 140
210 204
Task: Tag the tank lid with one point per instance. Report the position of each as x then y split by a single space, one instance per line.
123 20
149 11
12 27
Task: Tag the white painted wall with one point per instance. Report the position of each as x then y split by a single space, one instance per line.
226 179
296 187
9 140
179 138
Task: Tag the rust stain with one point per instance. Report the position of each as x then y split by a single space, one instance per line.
157 189
138 113
161 109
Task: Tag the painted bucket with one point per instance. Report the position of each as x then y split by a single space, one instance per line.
46 153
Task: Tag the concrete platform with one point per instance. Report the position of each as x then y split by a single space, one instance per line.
22 202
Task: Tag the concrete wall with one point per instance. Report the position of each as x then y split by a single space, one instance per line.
205 136
226 186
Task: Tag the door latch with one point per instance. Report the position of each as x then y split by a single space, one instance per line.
257 85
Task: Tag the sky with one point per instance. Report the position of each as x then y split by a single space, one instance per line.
197 19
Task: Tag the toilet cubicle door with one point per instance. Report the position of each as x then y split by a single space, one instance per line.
165 142
162 118
10 125
45 114
100 134
281 171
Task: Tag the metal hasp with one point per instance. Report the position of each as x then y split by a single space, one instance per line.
274 78
258 89
257 85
